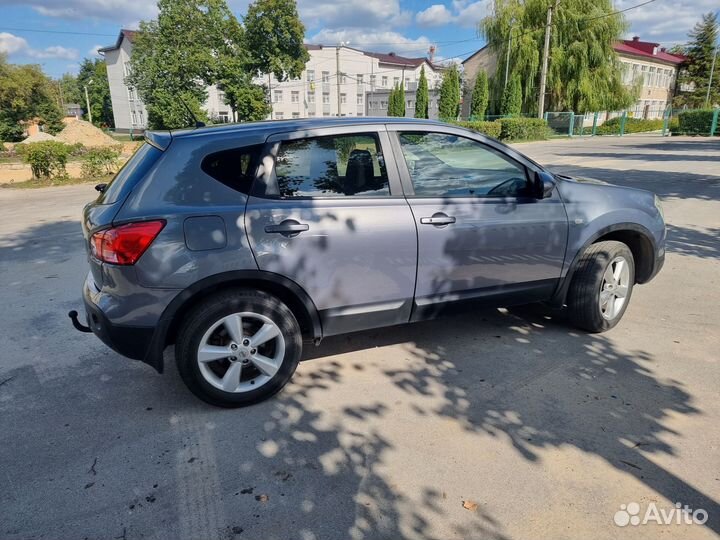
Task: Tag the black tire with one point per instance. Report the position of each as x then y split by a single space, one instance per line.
584 294
202 317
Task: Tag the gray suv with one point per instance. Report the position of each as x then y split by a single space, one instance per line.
238 243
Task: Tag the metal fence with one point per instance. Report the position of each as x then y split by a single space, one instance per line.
619 123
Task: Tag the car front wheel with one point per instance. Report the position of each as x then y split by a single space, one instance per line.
601 286
238 347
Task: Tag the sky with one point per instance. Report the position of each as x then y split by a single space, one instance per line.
69 30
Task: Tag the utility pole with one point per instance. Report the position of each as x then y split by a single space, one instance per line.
337 74
87 101
270 94
546 53
712 71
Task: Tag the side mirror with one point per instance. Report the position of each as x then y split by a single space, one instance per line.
100 188
544 185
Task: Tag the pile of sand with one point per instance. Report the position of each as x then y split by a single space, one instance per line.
86 134
40 136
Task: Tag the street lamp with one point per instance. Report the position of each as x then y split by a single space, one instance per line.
87 100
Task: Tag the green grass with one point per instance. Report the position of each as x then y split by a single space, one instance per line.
44 182
124 137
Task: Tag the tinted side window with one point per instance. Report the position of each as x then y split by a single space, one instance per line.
333 166
443 165
235 167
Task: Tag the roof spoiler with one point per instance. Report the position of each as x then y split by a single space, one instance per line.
159 139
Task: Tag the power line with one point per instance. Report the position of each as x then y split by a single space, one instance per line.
588 19
444 42
67 32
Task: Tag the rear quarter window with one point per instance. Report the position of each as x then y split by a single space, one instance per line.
235 167
130 174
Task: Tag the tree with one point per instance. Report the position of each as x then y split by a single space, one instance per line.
248 101
422 98
391 102
393 107
26 94
584 71
93 75
275 36
695 71
191 45
170 61
512 98
480 96
400 100
449 103
230 72
396 101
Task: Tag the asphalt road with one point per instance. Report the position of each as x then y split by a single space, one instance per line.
383 434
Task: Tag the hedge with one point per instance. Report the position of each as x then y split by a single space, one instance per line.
632 125
101 161
492 129
47 159
511 128
523 129
695 122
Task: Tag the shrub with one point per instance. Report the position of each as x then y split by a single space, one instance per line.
491 129
511 103
695 122
523 129
47 159
674 125
100 161
632 125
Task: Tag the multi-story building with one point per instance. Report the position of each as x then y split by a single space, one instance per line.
377 102
642 62
337 81
655 69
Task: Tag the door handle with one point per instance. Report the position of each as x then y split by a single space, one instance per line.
439 219
288 228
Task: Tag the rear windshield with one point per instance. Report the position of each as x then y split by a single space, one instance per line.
126 178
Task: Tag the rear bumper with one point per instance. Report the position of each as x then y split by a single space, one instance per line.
130 341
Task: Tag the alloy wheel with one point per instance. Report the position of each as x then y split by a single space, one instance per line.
241 352
614 288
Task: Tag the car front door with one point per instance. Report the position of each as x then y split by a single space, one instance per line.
482 231
328 213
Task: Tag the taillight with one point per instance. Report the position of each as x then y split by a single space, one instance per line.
126 243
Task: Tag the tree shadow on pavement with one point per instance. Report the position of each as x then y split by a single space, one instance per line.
48 241
702 144
547 395
698 243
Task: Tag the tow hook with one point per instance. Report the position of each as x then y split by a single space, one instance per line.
77 324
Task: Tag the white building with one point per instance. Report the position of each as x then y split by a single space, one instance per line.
337 81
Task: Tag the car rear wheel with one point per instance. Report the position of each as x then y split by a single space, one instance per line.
238 347
601 286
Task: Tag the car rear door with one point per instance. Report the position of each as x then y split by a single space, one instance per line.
328 213
482 232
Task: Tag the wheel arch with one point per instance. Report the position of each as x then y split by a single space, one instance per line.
283 288
638 239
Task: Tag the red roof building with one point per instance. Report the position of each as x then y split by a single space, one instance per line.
650 65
